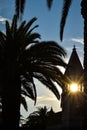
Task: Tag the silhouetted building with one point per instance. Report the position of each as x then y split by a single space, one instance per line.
72 115
54 120
74 70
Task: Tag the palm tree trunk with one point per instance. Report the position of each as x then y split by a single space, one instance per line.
85 71
85 55
11 99
84 14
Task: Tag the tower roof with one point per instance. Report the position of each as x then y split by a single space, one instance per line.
74 69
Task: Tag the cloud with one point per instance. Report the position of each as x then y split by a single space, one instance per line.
43 98
46 98
78 40
2 19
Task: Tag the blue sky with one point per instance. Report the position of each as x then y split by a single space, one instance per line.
49 25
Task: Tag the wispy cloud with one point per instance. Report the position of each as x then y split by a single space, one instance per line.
2 19
78 40
46 98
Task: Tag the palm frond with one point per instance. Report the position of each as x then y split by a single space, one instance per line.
52 87
49 3
8 30
22 6
42 61
24 35
25 93
44 79
28 25
65 10
49 53
2 39
21 26
14 24
35 93
32 29
19 7
17 4
28 89
49 47
24 28
29 86
33 37
24 103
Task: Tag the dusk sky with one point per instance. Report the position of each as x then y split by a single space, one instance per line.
49 26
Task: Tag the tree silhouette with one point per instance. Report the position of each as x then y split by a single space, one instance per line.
20 5
37 118
12 46
22 58
65 10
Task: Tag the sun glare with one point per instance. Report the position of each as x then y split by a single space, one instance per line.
73 87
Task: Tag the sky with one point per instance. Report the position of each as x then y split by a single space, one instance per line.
49 27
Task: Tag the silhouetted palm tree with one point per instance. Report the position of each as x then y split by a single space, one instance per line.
12 47
23 57
37 118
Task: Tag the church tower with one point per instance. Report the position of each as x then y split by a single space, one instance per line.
74 70
71 101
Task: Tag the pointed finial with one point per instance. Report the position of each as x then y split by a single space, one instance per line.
74 47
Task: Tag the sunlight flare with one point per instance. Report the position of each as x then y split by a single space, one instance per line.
74 87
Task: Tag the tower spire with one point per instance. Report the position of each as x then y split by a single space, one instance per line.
74 47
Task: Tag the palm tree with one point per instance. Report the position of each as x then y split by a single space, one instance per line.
37 118
12 46
23 58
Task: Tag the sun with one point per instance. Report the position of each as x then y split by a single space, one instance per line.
74 87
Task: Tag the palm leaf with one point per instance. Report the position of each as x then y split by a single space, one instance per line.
22 6
21 26
29 87
14 24
2 39
33 37
32 29
49 47
28 25
8 30
48 83
24 35
24 103
48 52
49 3
17 4
35 93
19 7
65 10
